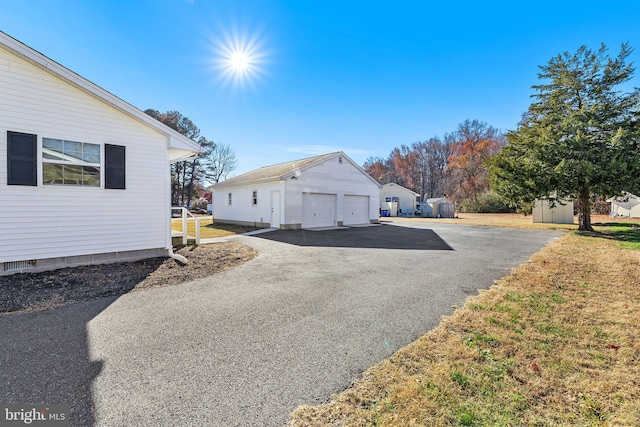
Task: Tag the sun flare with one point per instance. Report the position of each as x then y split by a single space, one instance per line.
239 58
239 61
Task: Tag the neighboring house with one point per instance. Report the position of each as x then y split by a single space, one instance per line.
396 199
626 206
84 176
559 214
437 207
322 191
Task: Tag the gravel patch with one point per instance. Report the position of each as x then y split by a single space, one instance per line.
39 291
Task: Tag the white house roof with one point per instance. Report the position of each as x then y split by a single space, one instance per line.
436 199
624 198
400 187
285 170
180 147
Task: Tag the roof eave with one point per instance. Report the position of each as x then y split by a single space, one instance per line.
176 140
224 184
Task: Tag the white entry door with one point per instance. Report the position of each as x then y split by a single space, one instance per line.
275 209
356 210
318 210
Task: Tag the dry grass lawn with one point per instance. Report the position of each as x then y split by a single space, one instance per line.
209 229
555 343
508 220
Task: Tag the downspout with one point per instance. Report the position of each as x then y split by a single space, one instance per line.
168 240
177 257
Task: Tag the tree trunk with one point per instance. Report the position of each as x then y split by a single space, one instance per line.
190 186
175 184
183 183
584 211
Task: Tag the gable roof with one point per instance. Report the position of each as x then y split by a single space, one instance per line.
437 199
623 199
180 147
400 187
284 170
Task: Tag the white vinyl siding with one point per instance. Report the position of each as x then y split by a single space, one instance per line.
330 177
48 221
406 198
242 209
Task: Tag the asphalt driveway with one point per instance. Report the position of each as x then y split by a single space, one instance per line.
245 347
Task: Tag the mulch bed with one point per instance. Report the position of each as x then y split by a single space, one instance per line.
50 289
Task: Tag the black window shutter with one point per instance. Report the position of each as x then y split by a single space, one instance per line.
114 166
21 159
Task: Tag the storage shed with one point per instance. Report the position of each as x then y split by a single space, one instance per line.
322 191
627 206
397 200
437 207
559 214
84 176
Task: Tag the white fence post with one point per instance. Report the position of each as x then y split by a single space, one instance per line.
184 226
184 219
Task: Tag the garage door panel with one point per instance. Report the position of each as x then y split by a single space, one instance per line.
318 210
355 210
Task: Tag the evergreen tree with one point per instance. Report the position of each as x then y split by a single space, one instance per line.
579 138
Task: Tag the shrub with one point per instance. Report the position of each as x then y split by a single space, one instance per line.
488 202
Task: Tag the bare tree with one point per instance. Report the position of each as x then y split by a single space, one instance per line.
221 161
432 158
183 174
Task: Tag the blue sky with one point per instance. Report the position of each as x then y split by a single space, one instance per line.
358 76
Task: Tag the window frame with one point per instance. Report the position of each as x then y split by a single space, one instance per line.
254 198
111 159
81 163
229 199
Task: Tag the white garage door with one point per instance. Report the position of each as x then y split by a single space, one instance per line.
356 210
318 210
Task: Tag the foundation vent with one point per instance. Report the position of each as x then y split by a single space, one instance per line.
19 265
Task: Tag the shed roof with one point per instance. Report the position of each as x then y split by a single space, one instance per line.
180 146
400 187
437 199
623 199
283 171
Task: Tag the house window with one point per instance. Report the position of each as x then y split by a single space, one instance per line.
340 160
387 199
21 159
229 201
70 163
254 199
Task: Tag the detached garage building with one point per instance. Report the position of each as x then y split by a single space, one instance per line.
322 191
396 199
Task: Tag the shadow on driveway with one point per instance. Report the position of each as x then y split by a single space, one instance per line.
46 359
380 237
46 356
